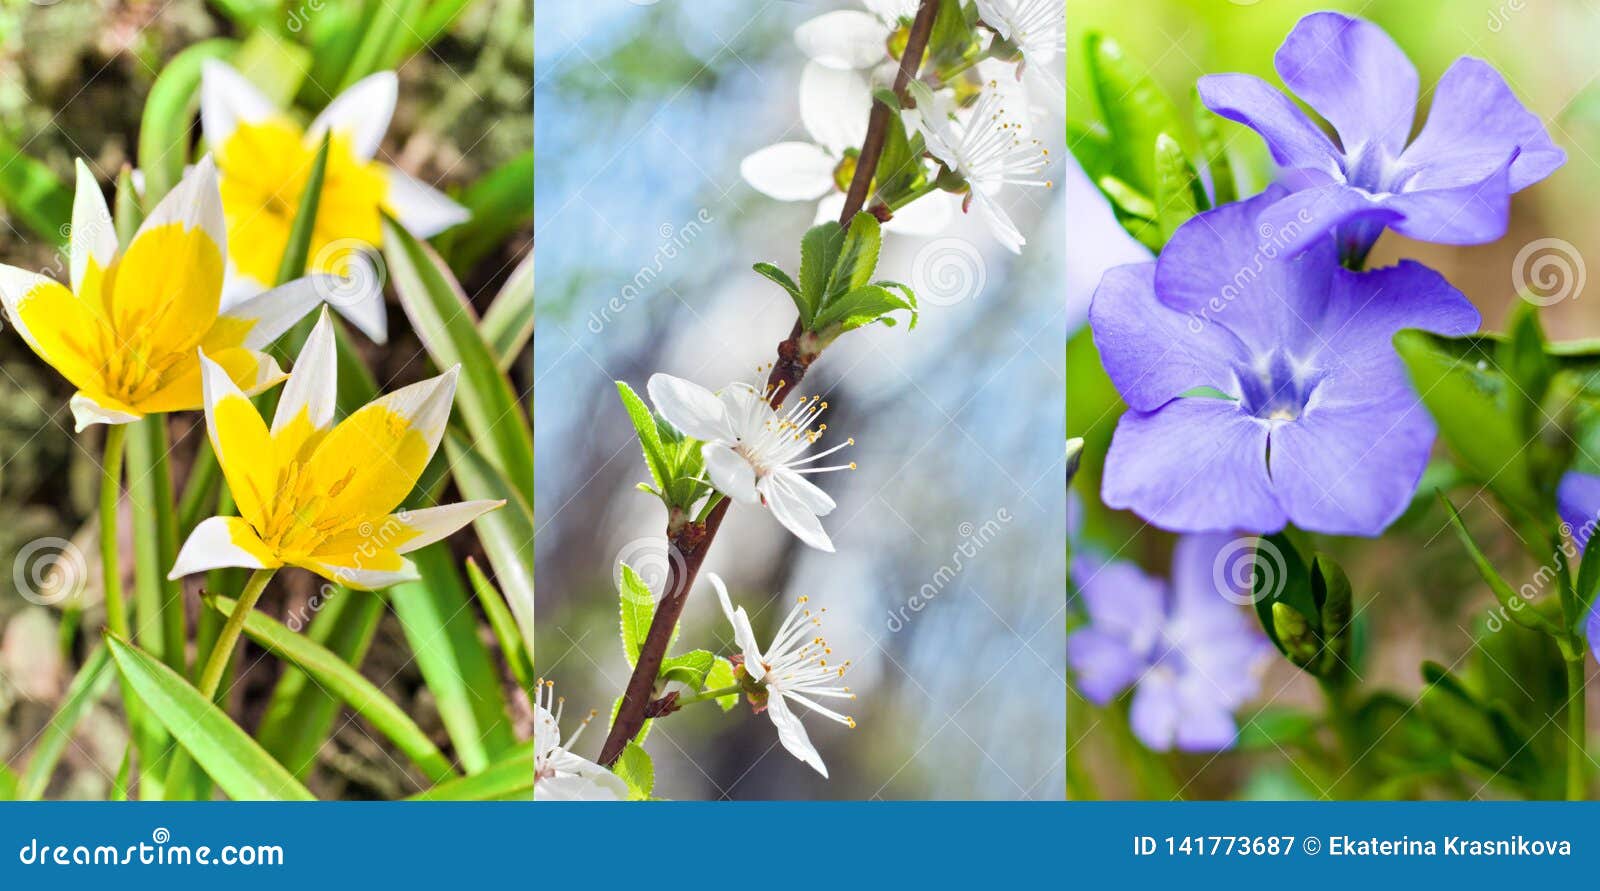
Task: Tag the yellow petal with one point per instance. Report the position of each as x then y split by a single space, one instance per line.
59 327
243 445
371 460
168 288
363 572
251 371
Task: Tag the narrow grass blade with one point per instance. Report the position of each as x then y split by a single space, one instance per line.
241 768
508 324
506 534
510 779
32 193
500 202
343 681
505 627
164 128
88 687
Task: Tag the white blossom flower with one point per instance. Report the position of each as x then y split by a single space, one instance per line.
1036 27
559 775
794 668
852 39
834 107
753 453
987 146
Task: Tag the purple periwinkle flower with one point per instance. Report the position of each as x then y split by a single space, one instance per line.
1578 503
1263 389
1452 184
1191 654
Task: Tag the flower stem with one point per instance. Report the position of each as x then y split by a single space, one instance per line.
110 561
217 662
1577 731
708 695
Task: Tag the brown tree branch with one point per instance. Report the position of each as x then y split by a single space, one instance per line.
688 546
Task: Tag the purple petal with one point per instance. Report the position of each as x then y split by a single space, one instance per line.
1096 242
1366 309
1471 214
1226 266
1155 711
1578 503
1151 351
1475 127
1208 566
1354 75
1295 142
1225 663
1306 216
1193 465
1206 728
1102 664
1591 629
1122 601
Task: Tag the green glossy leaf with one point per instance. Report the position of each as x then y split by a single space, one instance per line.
506 534
637 770
1179 195
854 267
1517 608
499 203
720 676
165 127
644 424
238 764
863 306
508 325
801 304
819 252
636 605
345 682
1135 110
504 625
689 668
444 320
509 779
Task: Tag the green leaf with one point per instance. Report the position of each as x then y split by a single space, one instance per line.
509 779
721 675
819 252
635 769
1214 153
238 764
32 193
644 423
856 263
900 167
637 607
343 681
689 668
773 273
1135 110
1178 193
1276 728
442 631
504 626
1517 608
88 687
506 534
953 39
445 322
1476 408
500 202
169 109
297 250
1280 577
508 325
863 306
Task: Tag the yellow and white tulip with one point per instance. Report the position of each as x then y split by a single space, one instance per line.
128 331
266 158
320 495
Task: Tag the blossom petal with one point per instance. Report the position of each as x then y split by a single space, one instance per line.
789 171
50 319
1193 465
360 114
220 542
1102 664
792 733
194 203
791 510
1308 216
998 221
256 322
834 106
88 410
806 493
694 410
1354 75
431 524
365 573
423 210
1151 351
1578 503
1205 727
1154 712
312 391
94 235
844 39
1122 601
241 440
730 474
927 216
1475 213
743 635
1475 127
1295 142
227 100
372 459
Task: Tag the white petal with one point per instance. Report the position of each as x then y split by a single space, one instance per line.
999 222
364 579
789 171
94 236
423 210
927 216
237 288
276 311
792 733
732 475
86 411
425 405
805 492
227 100
602 786
213 545
743 635
361 113
357 294
314 385
691 408
215 386
790 509
434 523
845 39
829 208
194 202
834 106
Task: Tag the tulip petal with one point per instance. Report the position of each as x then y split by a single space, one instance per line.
52 320
252 371
364 572
423 210
86 410
94 236
255 322
360 114
371 460
309 398
194 203
227 99
220 542
241 440
430 524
